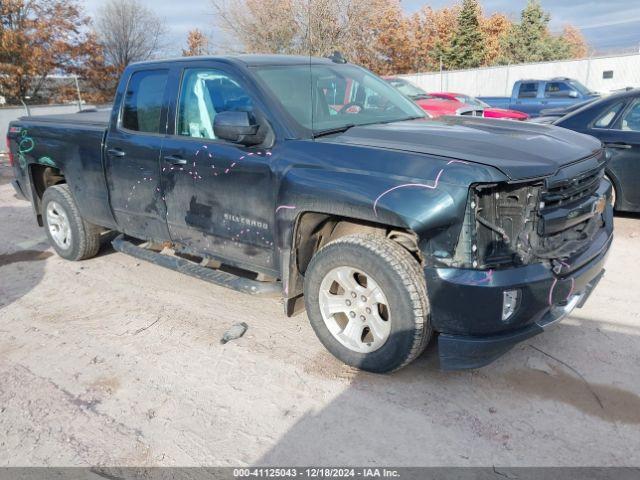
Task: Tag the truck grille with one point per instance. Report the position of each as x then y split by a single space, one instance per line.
570 191
520 224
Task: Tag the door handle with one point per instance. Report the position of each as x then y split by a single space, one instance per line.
623 146
115 152
175 160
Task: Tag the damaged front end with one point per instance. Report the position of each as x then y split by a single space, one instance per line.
545 221
528 253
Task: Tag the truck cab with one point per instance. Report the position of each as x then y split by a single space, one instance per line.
532 96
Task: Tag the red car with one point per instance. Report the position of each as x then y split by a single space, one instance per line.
435 107
489 112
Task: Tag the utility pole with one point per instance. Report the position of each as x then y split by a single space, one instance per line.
78 91
441 85
24 104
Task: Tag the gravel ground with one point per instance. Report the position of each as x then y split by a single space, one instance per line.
116 362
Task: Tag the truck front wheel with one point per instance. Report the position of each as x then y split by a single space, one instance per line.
366 300
70 235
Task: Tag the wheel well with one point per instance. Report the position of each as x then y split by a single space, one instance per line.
43 177
314 230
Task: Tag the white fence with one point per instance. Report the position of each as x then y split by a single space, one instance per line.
601 74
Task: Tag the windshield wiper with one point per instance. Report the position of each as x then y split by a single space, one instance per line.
329 131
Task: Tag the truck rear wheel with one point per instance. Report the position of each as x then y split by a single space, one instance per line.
366 300
70 235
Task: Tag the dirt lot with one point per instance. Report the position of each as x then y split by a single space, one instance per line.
116 362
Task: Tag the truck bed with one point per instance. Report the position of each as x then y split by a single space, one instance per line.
98 118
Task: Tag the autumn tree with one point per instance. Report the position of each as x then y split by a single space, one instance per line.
128 32
378 34
261 26
197 44
467 48
494 30
578 47
38 38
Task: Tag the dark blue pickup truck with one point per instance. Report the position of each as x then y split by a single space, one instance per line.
532 96
317 181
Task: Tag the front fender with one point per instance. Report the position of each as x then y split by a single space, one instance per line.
431 206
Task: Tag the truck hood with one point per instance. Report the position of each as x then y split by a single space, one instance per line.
520 150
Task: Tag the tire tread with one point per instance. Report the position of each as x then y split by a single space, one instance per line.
89 238
408 269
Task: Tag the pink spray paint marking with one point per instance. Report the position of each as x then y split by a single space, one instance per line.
285 207
406 185
416 185
488 278
573 284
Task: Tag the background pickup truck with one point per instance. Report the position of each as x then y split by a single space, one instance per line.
384 225
532 96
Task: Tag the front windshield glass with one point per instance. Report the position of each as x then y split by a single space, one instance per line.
474 102
328 97
408 89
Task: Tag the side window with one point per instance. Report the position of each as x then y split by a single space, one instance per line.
631 119
528 90
557 89
205 93
606 117
143 101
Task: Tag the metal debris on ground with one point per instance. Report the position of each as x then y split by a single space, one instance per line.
236 331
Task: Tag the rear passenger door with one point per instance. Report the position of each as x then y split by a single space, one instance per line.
132 155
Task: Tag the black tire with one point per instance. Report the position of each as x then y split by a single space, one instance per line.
400 278
84 237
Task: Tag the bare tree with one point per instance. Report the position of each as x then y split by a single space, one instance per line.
129 32
197 44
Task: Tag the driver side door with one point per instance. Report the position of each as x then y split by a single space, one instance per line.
219 195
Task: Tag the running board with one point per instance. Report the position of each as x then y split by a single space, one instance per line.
217 277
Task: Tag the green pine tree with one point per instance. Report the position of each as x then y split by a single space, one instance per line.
467 46
530 41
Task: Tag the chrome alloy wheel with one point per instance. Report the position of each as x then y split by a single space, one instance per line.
59 226
355 309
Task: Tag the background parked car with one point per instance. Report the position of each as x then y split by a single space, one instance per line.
487 111
532 96
550 115
434 106
615 120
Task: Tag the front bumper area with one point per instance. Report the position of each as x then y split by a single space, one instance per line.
466 305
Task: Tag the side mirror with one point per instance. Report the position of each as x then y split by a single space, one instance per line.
237 127
573 94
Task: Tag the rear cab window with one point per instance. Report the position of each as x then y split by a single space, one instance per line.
528 90
143 101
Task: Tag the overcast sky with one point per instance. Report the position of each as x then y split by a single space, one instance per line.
607 25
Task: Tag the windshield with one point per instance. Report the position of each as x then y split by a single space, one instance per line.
474 102
329 97
408 89
579 87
